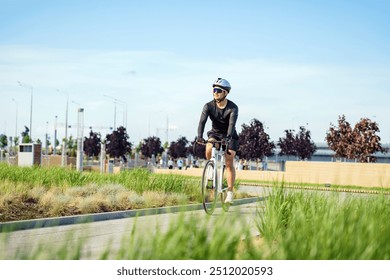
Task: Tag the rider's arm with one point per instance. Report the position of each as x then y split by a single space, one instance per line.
202 121
232 121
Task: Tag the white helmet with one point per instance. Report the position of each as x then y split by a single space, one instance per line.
222 83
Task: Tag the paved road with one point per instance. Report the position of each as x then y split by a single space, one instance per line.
98 236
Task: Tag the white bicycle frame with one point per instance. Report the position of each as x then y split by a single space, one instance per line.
213 188
215 155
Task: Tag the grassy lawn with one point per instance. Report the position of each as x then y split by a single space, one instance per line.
28 193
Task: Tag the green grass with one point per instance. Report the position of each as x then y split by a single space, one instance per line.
293 226
339 188
21 179
27 193
298 225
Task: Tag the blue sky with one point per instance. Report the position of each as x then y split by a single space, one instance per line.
290 63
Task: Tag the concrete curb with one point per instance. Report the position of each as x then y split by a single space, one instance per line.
88 218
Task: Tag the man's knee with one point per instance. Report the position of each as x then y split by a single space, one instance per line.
208 151
230 159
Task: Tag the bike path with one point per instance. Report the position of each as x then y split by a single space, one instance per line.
103 235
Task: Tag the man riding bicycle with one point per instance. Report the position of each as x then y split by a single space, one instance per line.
223 114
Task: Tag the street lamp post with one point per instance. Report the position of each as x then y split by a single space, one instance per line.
46 140
63 158
80 128
16 118
120 102
55 135
124 104
31 104
114 108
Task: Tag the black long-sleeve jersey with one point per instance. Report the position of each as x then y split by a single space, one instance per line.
223 120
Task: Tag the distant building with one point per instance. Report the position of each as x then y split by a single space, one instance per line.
29 154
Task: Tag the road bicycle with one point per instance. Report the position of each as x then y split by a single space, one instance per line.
214 183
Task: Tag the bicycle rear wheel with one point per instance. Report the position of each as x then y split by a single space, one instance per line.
225 206
209 191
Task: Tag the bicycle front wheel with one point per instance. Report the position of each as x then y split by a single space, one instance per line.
209 191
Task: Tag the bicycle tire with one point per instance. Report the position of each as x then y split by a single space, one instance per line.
225 206
209 198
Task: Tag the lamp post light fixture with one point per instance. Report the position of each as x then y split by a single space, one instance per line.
31 104
74 102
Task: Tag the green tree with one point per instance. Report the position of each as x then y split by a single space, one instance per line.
138 147
48 143
71 146
16 141
57 143
3 141
25 135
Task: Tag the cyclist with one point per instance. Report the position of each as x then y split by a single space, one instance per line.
223 114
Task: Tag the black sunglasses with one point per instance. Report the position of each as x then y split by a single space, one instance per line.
217 90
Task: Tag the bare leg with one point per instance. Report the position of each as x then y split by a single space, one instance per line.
230 170
209 147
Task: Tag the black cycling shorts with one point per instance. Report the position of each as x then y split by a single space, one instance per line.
233 144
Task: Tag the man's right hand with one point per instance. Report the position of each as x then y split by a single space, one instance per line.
200 140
